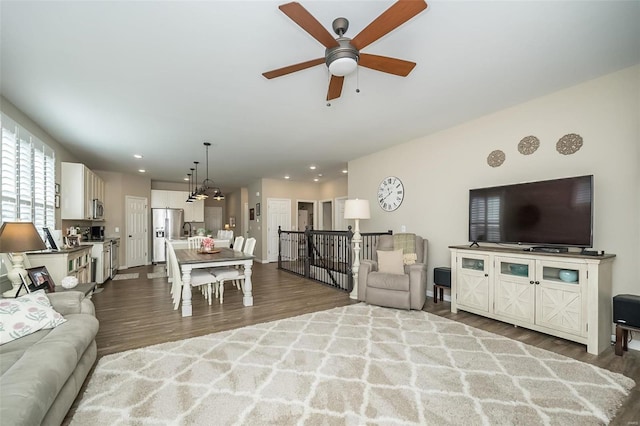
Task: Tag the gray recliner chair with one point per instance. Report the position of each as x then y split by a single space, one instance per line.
406 291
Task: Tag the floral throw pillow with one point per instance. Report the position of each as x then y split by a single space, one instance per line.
25 315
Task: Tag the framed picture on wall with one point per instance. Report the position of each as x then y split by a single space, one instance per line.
252 214
258 209
232 221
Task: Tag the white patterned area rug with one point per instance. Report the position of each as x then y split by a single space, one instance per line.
353 365
133 276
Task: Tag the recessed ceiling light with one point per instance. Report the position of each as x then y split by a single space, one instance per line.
319 174
142 170
345 171
185 178
316 179
312 167
287 177
138 156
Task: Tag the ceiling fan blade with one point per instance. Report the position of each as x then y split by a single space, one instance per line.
335 87
293 68
386 64
399 13
307 22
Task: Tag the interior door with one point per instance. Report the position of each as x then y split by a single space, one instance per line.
278 214
339 223
137 243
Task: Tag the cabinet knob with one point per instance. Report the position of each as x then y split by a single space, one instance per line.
531 282
486 275
537 282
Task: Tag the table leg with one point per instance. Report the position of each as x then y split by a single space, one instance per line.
187 308
620 338
247 286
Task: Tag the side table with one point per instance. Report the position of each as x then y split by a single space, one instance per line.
441 280
622 335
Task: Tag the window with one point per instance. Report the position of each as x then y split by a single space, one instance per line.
27 170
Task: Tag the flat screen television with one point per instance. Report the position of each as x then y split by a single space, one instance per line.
552 213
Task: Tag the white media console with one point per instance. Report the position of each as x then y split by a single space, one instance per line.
526 289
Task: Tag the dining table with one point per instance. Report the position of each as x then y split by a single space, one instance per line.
190 259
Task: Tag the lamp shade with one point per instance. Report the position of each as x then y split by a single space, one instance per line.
18 237
357 209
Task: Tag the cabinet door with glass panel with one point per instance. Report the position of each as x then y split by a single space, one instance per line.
514 288
472 282
561 301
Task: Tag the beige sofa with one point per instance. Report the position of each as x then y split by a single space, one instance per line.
42 373
406 291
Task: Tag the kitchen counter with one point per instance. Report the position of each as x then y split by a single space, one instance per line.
61 251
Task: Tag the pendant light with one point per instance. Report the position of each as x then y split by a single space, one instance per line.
197 192
207 183
190 197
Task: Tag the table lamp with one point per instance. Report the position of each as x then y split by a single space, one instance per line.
15 239
356 209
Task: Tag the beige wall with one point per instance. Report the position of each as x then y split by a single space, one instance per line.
438 170
292 190
117 187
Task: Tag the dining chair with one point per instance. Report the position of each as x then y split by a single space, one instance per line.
237 243
195 242
200 278
232 274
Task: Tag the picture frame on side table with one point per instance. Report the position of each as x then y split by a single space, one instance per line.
40 278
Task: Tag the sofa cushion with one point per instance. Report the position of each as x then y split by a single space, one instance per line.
34 380
25 315
390 262
386 281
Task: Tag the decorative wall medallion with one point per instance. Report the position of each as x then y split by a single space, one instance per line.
496 158
569 144
528 145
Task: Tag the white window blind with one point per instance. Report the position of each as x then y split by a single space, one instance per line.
27 170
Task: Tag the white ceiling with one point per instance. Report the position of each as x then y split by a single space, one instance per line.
109 79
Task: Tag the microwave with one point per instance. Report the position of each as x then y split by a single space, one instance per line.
98 209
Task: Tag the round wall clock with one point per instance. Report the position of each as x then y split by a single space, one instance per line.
390 193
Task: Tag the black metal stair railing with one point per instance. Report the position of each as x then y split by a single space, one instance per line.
324 256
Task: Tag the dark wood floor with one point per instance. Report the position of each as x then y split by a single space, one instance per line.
138 313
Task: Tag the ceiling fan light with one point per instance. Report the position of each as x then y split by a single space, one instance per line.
343 66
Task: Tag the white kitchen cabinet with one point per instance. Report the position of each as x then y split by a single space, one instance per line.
525 289
101 251
159 199
193 212
177 199
79 186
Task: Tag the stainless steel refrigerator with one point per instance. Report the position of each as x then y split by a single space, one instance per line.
167 223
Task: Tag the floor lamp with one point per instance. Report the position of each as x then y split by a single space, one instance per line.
16 238
356 209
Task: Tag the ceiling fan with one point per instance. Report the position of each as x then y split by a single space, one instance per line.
342 54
